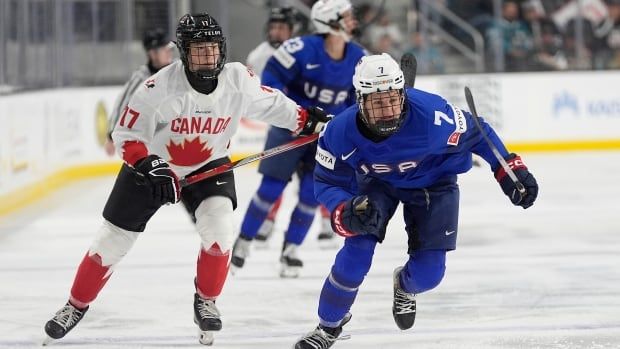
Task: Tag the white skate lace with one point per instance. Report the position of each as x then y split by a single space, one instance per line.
207 309
67 316
319 339
405 302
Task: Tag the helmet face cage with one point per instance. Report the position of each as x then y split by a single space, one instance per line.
379 87
201 29
379 111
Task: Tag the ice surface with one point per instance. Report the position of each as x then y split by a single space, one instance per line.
546 277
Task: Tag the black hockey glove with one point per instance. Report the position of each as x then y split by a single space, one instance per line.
358 216
524 176
316 118
164 183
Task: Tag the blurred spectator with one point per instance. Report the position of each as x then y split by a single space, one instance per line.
549 53
385 36
613 38
579 57
513 36
430 60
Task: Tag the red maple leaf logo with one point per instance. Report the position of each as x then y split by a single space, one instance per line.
188 153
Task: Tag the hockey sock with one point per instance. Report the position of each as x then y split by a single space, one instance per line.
211 271
90 278
339 290
424 271
335 302
301 220
303 214
268 192
274 209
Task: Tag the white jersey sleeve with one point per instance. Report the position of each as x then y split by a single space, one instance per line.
137 77
138 121
268 104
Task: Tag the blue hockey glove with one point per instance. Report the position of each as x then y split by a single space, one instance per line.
316 118
162 180
524 176
358 216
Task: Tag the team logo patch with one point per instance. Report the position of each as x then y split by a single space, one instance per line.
150 83
460 126
325 158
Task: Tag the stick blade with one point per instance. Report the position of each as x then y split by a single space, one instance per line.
409 66
470 102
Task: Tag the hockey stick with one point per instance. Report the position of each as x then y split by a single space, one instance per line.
409 66
296 143
500 158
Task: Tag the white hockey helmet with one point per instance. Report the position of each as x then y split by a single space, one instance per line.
327 17
380 74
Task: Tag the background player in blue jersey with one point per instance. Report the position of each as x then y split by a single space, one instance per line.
311 70
398 146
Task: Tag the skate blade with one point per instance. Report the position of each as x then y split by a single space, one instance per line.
289 272
205 337
47 341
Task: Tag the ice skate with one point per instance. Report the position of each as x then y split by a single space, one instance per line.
241 250
323 337
63 322
290 264
327 240
264 234
207 317
404 305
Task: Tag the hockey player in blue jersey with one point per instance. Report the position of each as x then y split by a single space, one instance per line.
311 70
397 145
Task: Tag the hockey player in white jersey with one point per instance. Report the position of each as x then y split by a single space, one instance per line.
178 123
158 49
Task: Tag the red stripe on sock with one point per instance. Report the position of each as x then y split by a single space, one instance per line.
211 271
89 280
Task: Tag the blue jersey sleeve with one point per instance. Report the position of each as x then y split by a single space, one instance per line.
334 180
284 65
458 132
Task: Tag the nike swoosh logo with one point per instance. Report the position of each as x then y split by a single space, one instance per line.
220 183
450 232
345 157
312 66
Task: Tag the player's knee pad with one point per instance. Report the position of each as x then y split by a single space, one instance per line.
214 222
270 189
354 260
112 243
426 269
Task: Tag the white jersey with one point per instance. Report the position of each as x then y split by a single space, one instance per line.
167 117
257 59
137 77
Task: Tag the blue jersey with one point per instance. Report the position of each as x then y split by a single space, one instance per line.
303 70
435 141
